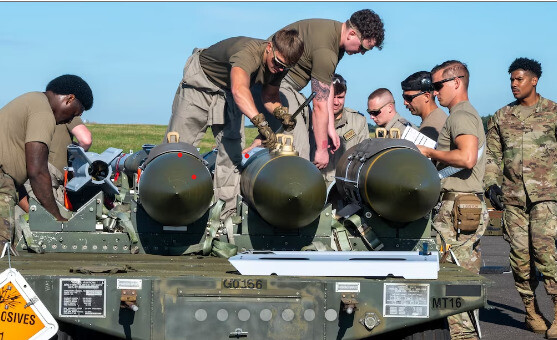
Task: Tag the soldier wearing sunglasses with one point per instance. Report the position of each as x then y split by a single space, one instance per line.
382 110
417 93
325 43
458 144
215 91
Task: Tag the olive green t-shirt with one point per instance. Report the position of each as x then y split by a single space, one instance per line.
27 118
322 51
463 120
58 151
243 52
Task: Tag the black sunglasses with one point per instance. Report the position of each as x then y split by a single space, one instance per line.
376 113
438 85
278 62
410 97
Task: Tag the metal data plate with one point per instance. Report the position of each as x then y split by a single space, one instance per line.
22 314
407 264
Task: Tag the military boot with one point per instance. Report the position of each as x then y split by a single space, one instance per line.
552 331
534 320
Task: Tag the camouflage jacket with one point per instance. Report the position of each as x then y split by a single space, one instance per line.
527 146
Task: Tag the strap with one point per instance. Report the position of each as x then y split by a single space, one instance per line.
368 236
340 236
28 235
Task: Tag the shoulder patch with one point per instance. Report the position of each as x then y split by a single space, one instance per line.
349 135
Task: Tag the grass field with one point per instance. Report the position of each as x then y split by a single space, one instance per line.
132 136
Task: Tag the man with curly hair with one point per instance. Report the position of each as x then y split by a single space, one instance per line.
27 125
523 136
325 43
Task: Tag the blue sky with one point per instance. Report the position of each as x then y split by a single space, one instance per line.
132 53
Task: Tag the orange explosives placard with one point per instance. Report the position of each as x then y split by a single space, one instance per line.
17 319
22 314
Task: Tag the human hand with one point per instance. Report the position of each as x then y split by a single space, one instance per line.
256 143
335 140
288 122
495 194
321 158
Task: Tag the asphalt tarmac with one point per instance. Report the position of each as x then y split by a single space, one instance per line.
504 319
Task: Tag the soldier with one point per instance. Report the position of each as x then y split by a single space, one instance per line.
27 124
522 135
460 145
350 125
382 110
326 41
417 93
215 91
58 158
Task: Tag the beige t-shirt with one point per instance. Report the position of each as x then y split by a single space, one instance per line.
322 51
247 53
58 151
433 123
27 118
463 120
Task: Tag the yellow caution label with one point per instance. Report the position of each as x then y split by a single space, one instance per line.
17 319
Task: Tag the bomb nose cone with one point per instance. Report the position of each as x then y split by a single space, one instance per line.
287 191
401 185
175 190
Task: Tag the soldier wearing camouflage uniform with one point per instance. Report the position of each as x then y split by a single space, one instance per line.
523 136
382 110
460 145
350 125
27 125
215 91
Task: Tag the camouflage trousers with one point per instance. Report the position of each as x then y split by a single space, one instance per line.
8 197
57 181
531 235
466 248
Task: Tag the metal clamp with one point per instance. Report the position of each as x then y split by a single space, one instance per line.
128 299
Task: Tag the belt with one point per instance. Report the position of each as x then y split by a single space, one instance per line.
450 196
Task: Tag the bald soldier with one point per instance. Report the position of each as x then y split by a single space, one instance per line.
215 91
27 125
417 93
326 42
350 125
382 110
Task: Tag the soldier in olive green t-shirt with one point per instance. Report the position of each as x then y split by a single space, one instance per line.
27 124
326 42
58 158
215 91
460 145
417 93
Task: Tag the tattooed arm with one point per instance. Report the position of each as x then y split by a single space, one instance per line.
322 109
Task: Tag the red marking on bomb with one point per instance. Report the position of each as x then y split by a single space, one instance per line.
179 154
193 176
246 155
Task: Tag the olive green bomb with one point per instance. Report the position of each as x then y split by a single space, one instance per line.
175 187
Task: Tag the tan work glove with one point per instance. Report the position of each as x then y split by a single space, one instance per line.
270 140
288 123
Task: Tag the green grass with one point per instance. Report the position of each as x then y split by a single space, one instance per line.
132 136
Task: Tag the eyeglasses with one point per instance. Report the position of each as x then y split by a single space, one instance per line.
376 113
278 62
338 81
438 85
410 97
